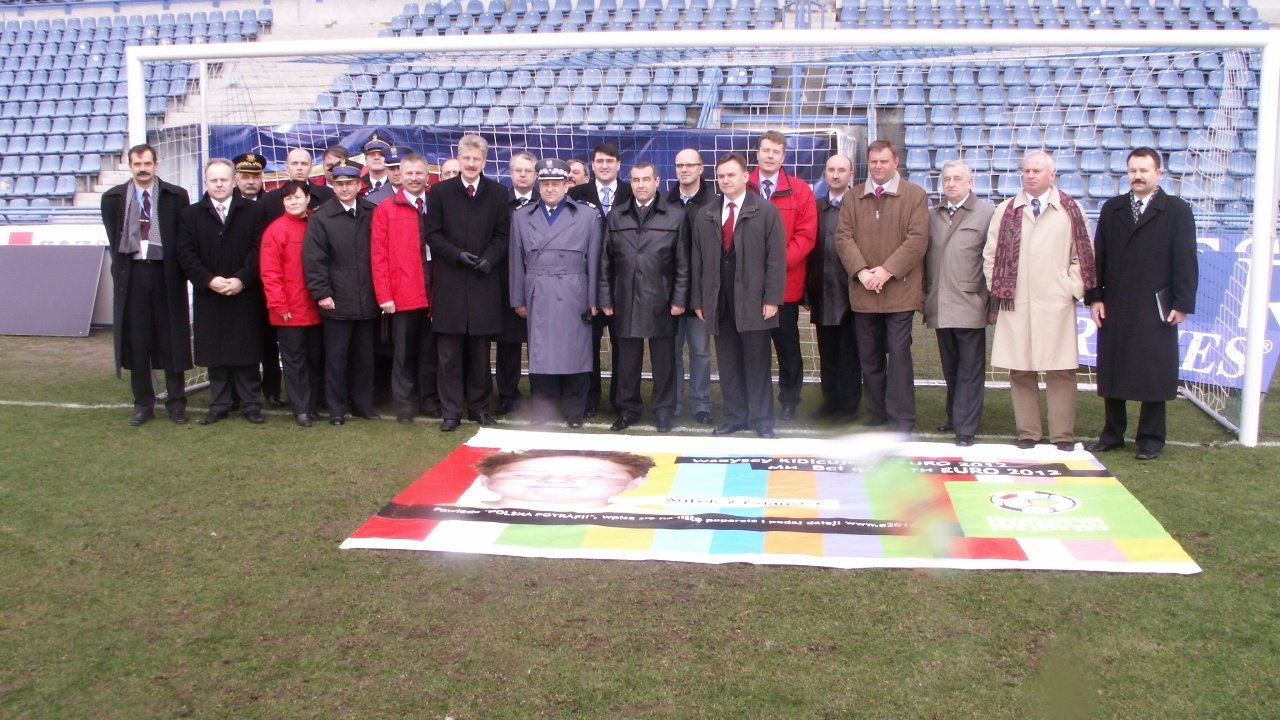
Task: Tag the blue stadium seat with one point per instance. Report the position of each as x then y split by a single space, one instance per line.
1009 185
914 115
1170 139
1101 186
1179 163
918 159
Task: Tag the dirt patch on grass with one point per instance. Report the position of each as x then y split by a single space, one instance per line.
49 359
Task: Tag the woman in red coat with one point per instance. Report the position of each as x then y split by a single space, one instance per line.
289 305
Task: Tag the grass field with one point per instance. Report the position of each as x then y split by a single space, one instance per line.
170 571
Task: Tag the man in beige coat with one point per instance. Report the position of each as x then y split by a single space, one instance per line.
881 238
1038 261
955 297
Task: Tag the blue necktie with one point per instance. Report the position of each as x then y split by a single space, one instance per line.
1035 207
767 186
606 199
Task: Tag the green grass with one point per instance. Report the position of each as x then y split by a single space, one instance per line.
172 571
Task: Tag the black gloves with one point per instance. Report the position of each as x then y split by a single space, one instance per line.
479 264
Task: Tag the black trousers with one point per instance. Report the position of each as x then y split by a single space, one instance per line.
413 365
630 364
598 325
271 360
348 365
463 374
245 380
562 394
1151 424
884 348
786 343
146 338
507 370
302 355
964 367
746 383
839 369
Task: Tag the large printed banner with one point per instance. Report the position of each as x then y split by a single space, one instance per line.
864 501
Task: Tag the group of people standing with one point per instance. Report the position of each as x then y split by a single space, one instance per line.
554 263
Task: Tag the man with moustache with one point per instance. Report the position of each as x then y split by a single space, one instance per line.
827 287
152 327
578 172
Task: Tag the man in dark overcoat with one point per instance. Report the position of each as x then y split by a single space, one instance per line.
297 167
1145 250
336 263
468 228
739 270
152 324
554 264
691 192
510 342
218 241
644 286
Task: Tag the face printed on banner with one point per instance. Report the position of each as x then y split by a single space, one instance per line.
346 189
298 164
217 182
579 484
296 204
413 175
644 184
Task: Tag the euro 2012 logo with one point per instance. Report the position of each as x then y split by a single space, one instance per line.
1034 502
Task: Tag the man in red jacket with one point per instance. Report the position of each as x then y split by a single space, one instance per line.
398 255
794 199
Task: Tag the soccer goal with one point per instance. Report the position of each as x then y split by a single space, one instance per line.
1206 99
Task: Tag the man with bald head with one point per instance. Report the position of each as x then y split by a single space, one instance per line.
827 287
297 167
1038 261
955 297
692 193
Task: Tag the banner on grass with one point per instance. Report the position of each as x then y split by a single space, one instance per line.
864 501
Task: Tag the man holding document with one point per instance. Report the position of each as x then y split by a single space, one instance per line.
1145 249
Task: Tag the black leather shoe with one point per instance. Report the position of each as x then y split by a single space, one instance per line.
620 424
178 417
337 420
449 424
275 401
142 416
371 415
574 422
484 420
765 432
729 429
213 417
255 417
1103 447
404 419
964 441
663 423
1065 445
788 412
303 420
1025 444
1147 455
506 406
589 412
946 427
703 417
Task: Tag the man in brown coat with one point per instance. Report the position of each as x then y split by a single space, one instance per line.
882 238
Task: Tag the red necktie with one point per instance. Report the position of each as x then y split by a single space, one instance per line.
420 205
879 190
727 230
471 191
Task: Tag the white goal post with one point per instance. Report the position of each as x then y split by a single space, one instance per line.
1268 128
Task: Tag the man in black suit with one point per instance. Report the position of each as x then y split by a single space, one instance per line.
515 332
604 192
468 225
692 193
152 327
739 270
249 186
218 247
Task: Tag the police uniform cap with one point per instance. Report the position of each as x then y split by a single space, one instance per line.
346 170
552 169
377 144
393 157
248 163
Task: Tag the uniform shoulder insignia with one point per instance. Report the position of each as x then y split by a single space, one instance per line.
588 203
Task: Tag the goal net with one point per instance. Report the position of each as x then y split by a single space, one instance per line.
559 96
